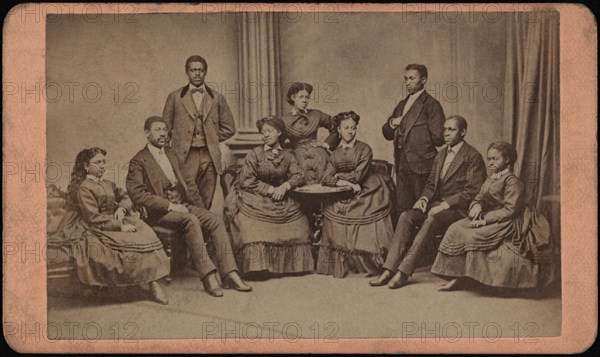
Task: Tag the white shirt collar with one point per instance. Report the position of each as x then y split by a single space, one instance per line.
93 178
194 87
155 151
350 145
299 111
417 94
277 147
456 147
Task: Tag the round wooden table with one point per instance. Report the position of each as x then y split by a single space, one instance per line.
309 194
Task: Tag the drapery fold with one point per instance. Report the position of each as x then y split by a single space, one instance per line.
531 104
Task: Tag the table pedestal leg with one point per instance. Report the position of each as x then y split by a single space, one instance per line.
316 239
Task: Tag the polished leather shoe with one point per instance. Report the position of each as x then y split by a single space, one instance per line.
382 279
234 281
398 281
158 294
211 285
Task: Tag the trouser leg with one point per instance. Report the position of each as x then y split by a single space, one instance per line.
190 228
403 236
219 238
206 179
430 227
198 167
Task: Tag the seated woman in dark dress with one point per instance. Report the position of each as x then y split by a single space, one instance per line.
503 242
356 231
270 231
109 247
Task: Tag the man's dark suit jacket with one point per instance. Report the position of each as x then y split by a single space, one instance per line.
462 181
424 131
144 187
180 114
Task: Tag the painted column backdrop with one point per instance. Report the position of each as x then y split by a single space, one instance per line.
105 77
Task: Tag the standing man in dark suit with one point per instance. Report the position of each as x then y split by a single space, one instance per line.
156 182
199 119
457 175
416 127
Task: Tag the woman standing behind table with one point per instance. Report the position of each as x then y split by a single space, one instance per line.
109 248
301 125
503 242
356 231
270 232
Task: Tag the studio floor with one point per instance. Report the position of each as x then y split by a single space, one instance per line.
308 306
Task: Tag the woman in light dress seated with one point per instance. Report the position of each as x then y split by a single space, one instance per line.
503 243
270 231
356 231
109 246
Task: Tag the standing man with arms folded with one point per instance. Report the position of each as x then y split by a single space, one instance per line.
199 119
416 126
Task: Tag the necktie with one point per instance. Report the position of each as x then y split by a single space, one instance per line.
165 165
197 96
447 162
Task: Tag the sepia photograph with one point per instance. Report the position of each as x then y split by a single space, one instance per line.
265 177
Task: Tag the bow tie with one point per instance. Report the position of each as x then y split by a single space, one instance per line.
274 150
301 112
194 90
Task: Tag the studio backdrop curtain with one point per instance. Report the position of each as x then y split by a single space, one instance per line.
531 104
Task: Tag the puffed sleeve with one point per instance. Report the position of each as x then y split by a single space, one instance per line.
365 156
479 198
295 175
329 178
249 176
91 212
326 121
122 198
512 201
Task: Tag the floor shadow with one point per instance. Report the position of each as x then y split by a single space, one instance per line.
550 292
266 275
89 296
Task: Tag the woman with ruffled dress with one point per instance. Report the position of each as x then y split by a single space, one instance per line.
109 246
504 242
356 231
270 231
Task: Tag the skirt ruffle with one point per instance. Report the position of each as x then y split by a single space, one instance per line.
275 258
340 262
106 258
501 267
99 265
354 248
274 247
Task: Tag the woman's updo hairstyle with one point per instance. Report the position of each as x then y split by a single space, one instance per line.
275 122
338 119
507 150
295 88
